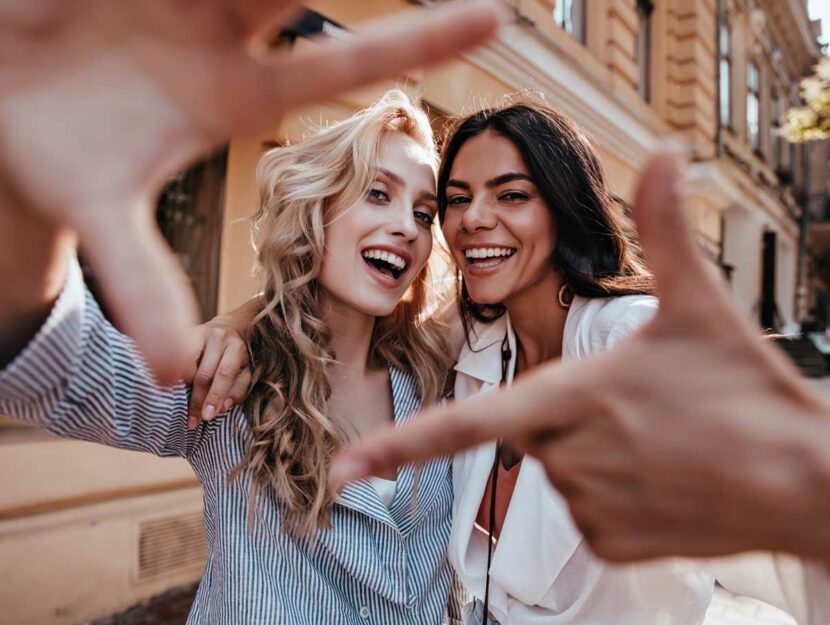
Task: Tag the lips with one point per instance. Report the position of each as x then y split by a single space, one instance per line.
386 264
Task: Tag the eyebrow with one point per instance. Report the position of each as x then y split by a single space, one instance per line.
493 182
393 177
427 195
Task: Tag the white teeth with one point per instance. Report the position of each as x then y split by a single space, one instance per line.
387 257
489 252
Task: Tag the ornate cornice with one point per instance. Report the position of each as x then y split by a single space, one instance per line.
522 59
791 20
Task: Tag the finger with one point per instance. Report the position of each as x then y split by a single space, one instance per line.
259 20
239 390
514 413
233 363
382 51
667 235
262 16
143 285
202 381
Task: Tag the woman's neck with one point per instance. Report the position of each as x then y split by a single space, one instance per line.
538 322
351 336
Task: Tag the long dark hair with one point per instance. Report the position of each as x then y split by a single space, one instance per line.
595 251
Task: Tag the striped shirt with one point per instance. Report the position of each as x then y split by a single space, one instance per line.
80 378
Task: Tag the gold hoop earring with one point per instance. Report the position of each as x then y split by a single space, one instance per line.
565 297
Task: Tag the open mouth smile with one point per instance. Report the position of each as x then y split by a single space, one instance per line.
385 262
481 259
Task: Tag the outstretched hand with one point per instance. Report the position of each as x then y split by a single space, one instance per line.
693 437
100 102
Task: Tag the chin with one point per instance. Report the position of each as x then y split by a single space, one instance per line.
487 297
378 308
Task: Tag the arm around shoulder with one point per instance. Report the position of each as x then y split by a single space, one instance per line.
81 378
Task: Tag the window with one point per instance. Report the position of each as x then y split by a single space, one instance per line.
644 10
725 76
753 89
570 15
775 144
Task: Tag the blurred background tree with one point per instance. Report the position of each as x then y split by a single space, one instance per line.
812 121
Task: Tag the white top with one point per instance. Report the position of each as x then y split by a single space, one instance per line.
542 571
386 489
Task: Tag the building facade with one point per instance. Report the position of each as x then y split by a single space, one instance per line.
86 531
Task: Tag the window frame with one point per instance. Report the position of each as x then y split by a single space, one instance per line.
645 10
753 105
725 105
569 15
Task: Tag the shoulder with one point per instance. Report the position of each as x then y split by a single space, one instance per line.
600 323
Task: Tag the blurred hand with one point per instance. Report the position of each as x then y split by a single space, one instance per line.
100 102
691 438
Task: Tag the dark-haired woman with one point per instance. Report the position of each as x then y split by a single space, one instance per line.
546 272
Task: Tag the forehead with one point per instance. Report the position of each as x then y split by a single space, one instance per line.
485 156
402 155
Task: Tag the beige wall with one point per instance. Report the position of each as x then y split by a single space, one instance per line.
67 567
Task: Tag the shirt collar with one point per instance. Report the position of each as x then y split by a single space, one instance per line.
481 356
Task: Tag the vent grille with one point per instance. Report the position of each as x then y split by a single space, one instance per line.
171 544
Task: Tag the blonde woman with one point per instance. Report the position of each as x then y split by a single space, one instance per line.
342 233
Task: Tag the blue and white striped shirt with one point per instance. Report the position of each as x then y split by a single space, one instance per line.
80 378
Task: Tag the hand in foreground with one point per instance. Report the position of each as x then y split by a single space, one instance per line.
101 101
692 438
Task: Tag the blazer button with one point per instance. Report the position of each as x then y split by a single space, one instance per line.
364 612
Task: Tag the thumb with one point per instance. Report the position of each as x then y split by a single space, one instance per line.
143 285
665 230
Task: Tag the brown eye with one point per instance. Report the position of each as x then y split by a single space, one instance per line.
424 217
378 195
514 196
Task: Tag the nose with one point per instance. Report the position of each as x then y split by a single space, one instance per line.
404 224
478 216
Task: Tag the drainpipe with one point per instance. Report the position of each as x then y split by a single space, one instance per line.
719 20
804 248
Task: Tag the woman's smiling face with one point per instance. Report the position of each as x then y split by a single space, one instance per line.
500 231
376 247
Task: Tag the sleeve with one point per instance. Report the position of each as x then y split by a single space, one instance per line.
80 378
631 314
605 322
817 591
776 579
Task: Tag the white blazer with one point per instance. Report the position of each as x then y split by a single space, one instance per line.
542 572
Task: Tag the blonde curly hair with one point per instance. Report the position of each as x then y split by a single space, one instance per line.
302 188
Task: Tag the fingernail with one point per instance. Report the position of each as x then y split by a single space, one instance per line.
344 470
228 404
192 422
208 412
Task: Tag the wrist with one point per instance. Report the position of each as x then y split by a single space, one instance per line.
810 531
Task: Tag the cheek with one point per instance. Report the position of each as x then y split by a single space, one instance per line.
449 228
535 229
422 250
